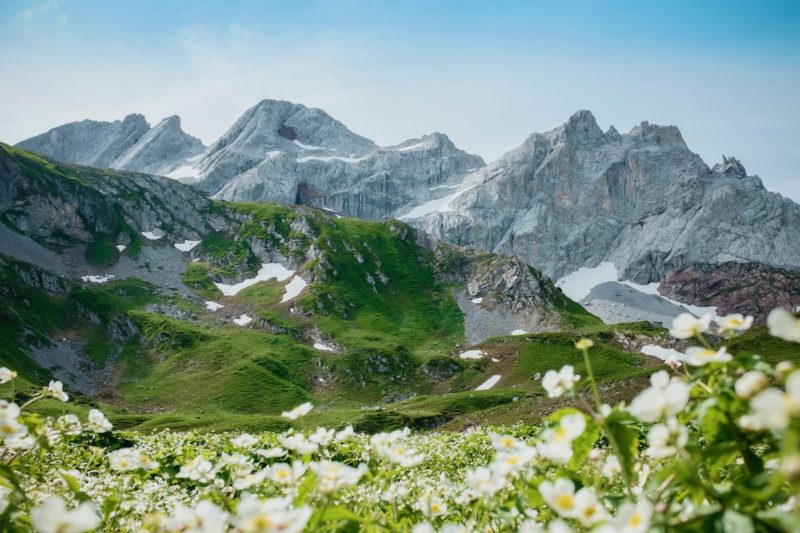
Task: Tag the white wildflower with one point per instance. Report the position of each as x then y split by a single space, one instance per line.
696 356
199 470
322 436
735 323
124 459
6 375
783 325
557 442
665 397
332 475
254 515
559 495
56 390
52 516
750 384
344 434
68 425
98 422
557 383
588 509
773 409
666 439
686 325
245 440
298 443
272 453
205 517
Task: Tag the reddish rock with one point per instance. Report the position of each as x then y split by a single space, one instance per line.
747 288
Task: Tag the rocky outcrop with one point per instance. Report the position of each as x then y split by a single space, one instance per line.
747 288
286 153
129 144
276 152
576 196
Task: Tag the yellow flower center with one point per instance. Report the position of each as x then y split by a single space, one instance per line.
282 474
507 442
565 501
561 433
707 353
436 508
635 519
261 523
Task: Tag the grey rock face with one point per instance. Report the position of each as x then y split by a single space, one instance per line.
576 196
129 144
286 153
277 152
615 303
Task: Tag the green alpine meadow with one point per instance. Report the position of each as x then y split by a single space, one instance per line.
223 310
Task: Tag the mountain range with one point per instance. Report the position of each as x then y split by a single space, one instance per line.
568 199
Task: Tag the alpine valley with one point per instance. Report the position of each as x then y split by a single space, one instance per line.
179 285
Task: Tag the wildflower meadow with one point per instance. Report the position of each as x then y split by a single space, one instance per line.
713 444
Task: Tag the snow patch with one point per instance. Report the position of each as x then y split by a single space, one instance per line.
243 320
185 246
213 306
580 283
153 235
293 288
323 347
472 354
477 300
267 271
662 353
329 158
439 205
495 360
410 147
308 146
186 170
98 279
519 332
489 383
272 154
121 247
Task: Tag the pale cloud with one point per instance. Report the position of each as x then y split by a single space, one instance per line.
41 12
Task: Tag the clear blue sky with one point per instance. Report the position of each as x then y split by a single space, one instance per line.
486 73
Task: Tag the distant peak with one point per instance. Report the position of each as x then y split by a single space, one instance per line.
582 116
730 166
582 124
135 118
658 134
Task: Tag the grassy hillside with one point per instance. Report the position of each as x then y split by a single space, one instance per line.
375 295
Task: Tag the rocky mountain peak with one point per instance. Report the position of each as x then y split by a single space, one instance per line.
135 120
730 167
583 126
659 135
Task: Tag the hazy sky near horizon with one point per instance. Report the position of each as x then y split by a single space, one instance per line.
485 73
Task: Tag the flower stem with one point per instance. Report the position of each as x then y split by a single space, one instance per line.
589 371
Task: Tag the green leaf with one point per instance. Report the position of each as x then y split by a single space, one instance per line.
75 487
626 439
339 513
